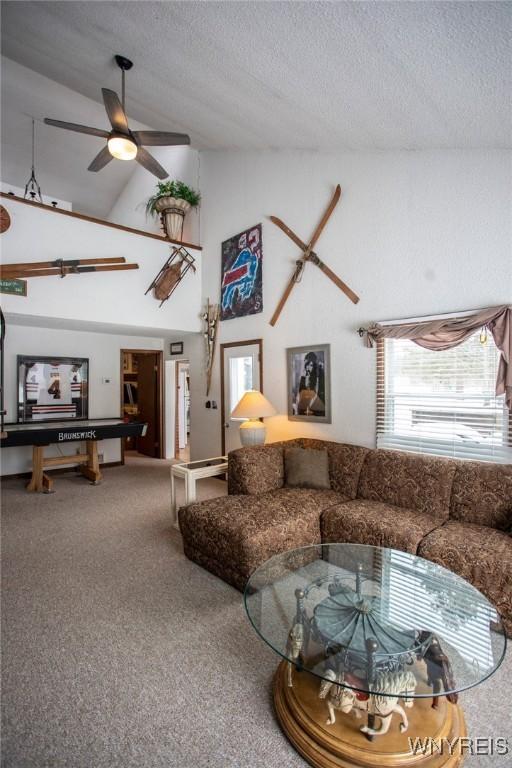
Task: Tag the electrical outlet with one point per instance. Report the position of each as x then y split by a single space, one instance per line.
100 458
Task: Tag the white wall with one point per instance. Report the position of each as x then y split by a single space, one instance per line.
37 234
103 351
415 233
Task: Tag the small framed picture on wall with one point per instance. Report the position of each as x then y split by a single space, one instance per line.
309 383
176 348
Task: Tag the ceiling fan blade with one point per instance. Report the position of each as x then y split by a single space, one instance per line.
150 164
77 128
160 138
115 111
100 161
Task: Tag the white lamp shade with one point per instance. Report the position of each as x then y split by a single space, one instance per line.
253 406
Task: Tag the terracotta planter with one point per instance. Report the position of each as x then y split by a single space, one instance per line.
172 214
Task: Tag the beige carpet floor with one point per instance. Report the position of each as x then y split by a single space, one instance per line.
118 651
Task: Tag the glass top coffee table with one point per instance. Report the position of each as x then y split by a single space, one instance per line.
374 643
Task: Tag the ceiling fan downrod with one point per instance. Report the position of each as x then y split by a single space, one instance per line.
124 65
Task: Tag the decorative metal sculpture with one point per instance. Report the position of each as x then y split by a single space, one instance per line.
211 323
362 652
171 274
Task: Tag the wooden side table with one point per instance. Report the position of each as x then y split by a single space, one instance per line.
190 472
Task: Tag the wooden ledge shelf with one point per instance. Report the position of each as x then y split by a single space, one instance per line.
102 222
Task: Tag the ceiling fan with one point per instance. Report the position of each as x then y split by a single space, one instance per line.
122 143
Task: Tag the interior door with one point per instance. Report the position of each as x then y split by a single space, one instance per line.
241 371
148 396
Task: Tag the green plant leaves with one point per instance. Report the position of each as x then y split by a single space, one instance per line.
172 188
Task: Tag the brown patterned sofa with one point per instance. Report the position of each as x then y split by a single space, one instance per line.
455 513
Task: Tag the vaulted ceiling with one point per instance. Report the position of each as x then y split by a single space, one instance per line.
315 75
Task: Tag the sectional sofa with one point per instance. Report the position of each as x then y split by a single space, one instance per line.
455 513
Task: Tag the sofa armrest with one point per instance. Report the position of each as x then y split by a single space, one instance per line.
256 469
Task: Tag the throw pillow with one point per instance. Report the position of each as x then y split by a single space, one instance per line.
306 468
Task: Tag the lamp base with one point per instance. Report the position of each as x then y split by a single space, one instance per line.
252 432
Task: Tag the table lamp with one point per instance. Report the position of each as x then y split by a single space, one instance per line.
253 407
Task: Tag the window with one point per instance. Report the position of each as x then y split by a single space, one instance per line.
240 378
442 403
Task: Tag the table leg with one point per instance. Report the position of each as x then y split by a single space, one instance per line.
190 488
35 484
91 470
47 483
174 516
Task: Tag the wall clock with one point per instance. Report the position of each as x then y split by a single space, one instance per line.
5 219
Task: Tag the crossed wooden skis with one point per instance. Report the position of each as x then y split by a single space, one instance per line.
308 254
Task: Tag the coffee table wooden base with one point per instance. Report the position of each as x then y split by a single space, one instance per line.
303 717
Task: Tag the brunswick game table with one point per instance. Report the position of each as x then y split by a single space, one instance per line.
40 434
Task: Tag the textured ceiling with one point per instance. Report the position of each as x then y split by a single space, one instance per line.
345 75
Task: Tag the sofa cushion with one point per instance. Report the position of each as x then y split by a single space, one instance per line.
306 468
256 469
481 555
239 533
372 522
482 494
420 483
345 463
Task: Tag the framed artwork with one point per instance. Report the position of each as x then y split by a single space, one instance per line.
52 388
242 277
176 348
309 383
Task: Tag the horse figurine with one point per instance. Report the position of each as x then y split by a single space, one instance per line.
394 684
294 649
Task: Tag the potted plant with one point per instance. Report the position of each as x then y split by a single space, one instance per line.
171 201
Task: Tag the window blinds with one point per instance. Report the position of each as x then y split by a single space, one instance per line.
442 403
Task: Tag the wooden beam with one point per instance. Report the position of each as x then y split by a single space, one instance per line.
59 461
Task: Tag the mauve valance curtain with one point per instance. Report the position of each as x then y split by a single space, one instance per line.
445 334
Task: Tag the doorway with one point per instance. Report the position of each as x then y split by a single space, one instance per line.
142 399
241 368
182 410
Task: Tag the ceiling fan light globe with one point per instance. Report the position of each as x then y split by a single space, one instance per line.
122 148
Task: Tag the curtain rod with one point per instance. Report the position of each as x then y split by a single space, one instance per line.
424 318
